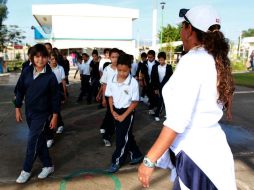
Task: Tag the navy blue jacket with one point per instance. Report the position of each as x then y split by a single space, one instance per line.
41 94
157 85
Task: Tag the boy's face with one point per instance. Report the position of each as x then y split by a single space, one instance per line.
114 57
162 61
150 58
49 49
53 61
107 55
123 71
85 58
40 61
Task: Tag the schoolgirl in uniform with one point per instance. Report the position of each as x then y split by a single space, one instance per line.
123 93
39 86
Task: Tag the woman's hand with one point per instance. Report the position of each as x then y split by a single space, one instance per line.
144 175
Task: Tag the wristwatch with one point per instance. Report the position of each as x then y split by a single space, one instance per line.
148 163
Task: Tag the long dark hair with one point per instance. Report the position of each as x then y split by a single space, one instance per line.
217 45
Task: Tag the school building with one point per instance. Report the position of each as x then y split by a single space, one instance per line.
85 26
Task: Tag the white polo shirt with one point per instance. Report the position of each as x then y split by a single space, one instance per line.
102 61
123 93
85 68
150 66
190 98
108 74
162 71
59 72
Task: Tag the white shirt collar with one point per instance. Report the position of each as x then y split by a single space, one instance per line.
127 81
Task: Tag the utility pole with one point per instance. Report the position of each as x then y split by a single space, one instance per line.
162 15
154 25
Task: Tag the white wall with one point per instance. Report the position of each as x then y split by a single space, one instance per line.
91 27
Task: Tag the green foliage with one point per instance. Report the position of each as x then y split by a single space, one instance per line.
18 56
248 33
170 33
14 65
238 65
3 11
244 79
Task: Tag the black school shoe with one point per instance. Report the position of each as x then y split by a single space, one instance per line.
113 168
136 160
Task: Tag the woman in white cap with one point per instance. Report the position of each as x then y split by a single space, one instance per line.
195 96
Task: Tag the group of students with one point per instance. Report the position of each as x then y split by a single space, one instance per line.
42 84
191 138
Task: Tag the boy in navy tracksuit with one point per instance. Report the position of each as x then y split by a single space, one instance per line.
39 86
159 77
123 93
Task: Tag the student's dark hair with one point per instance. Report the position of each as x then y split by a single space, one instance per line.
95 51
85 54
29 50
106 50
218 46
53 54
38 49
113 50
143 55
151 52
121 52
162 55
124 59
49 44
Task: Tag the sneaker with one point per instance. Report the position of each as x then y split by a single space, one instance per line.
102 131
107 142
50 143
60 130
136 160
46 172
151 112
157 119
113 168
23 177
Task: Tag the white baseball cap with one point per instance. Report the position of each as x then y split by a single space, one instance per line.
201 17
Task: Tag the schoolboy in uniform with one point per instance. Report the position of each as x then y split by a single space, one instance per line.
107 126
123 93
159 77
39 86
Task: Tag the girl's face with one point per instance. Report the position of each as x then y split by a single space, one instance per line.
53 61
40 61
123 71
114 57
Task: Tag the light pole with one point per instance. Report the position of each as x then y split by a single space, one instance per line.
162 12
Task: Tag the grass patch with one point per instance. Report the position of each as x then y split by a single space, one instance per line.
244 79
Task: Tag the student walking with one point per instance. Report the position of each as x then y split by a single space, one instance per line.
123 95
38 85
195 95
107 126
159 77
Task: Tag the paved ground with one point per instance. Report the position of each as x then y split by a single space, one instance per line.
80 157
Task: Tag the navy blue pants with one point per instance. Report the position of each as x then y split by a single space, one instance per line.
125 141
37 145
108 124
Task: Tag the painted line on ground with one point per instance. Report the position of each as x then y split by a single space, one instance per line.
245 92
116 181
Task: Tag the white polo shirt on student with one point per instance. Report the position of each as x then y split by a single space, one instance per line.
108 74
190 98
150 67
162 71
123 93
102 61
85 68
59 72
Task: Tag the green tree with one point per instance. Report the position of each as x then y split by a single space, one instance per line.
170 33
248 33
3 12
